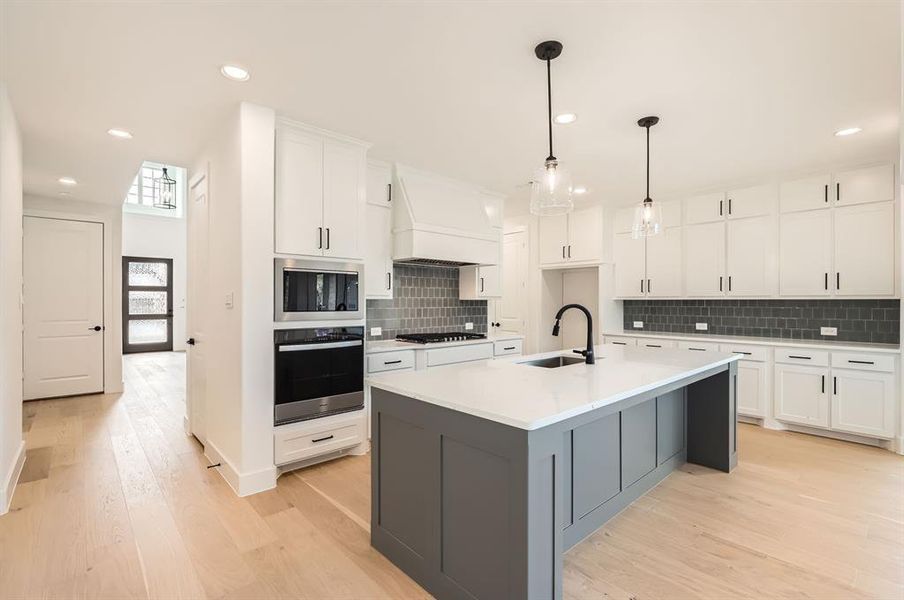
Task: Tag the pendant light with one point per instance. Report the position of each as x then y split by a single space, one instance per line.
647 215
165 191
550 192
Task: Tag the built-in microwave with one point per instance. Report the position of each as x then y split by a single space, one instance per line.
317 290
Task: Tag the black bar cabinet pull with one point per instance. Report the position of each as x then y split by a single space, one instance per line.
835 386
392 362
837 280
837 192
320 238
729 283
827 280
389 193
720 208
641 286
323 439
563 251
861 362
649 285
742 352
327 238
388 281
827 192
729 206
698 349
508 348
720 283
799 357
823 384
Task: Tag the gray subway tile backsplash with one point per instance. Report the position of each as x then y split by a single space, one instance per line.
425 300
876 321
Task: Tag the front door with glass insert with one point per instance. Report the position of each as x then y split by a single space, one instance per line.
147 304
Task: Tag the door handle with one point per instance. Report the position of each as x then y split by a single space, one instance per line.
95 328
190 341
327 238
320 238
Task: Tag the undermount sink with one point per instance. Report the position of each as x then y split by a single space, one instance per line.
553 362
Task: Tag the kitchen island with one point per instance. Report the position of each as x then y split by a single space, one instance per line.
485 473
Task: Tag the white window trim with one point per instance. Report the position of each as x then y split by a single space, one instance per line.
179 175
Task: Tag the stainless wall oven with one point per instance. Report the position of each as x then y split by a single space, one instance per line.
317 290
319 372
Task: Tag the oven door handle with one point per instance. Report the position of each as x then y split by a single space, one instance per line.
302 347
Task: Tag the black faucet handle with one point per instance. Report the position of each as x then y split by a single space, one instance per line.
581 352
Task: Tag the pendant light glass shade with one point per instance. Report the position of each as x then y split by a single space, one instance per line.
647 215
165 191
550 190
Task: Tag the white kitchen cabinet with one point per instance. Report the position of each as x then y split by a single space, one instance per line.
755 201
801 395
751 388
750 256
630 266
865 250
379 183
571 238
619 340
704 259
344 176
299 193
863 402
553 239
870 184
378 258
705 208
807 193
657 343
663 256
805 253
698 346
479 282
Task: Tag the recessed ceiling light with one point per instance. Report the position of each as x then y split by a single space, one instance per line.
235 73
566 118
67 181
120 133
579 190
848 131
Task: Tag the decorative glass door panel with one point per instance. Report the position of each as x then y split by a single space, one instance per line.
147 304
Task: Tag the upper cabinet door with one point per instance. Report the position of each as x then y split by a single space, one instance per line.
344 172
806 194
704 209
299 194
704 260
585 234
750 257
753 201
488 281
378 257
664 263
871 184
865 250
553 236
630 266
805 253
379 184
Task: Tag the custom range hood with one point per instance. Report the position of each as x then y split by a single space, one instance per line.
443 222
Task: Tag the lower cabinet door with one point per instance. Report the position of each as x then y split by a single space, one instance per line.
638 442
751 388
801 395
863 402
594 468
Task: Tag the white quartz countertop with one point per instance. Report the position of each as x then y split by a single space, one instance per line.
371 346
764 341
530 397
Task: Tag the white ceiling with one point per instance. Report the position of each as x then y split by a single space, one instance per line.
745 90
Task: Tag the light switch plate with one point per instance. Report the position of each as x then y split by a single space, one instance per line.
230 300
376 331
701 326
638 324
469 326
828 331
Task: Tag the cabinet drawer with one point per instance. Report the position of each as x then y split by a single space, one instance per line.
802 356
656 343
699 346
458 354
863 362
507 347
390 361
749 352
620 340
308 439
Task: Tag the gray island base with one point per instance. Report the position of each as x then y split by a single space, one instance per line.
471 508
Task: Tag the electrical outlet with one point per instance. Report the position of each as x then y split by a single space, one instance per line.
469 326
828 331
701 326
376 331
638 324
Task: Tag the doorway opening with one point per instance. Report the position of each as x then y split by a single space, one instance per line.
147 304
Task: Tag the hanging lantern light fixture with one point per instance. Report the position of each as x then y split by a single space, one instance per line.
550 192
647 215
165 191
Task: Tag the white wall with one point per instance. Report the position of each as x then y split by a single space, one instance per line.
12 447
111 217
161 237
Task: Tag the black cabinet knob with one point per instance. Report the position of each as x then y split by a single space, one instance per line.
190 341
96 328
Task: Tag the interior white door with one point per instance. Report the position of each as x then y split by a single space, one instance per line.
553 239
865 250
704 259
585 234
63 309
512 307
863 402
664 263
750 256
299 194
343 190
198 251
751 388
630 266
805 253
801 395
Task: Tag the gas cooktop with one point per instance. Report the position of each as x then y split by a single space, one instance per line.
432 338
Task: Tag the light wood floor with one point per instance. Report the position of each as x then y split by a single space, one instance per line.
115 502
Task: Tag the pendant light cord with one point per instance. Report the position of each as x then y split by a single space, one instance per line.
648 163
549 106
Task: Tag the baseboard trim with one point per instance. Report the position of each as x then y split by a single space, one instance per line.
12 478
243 484
837 435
